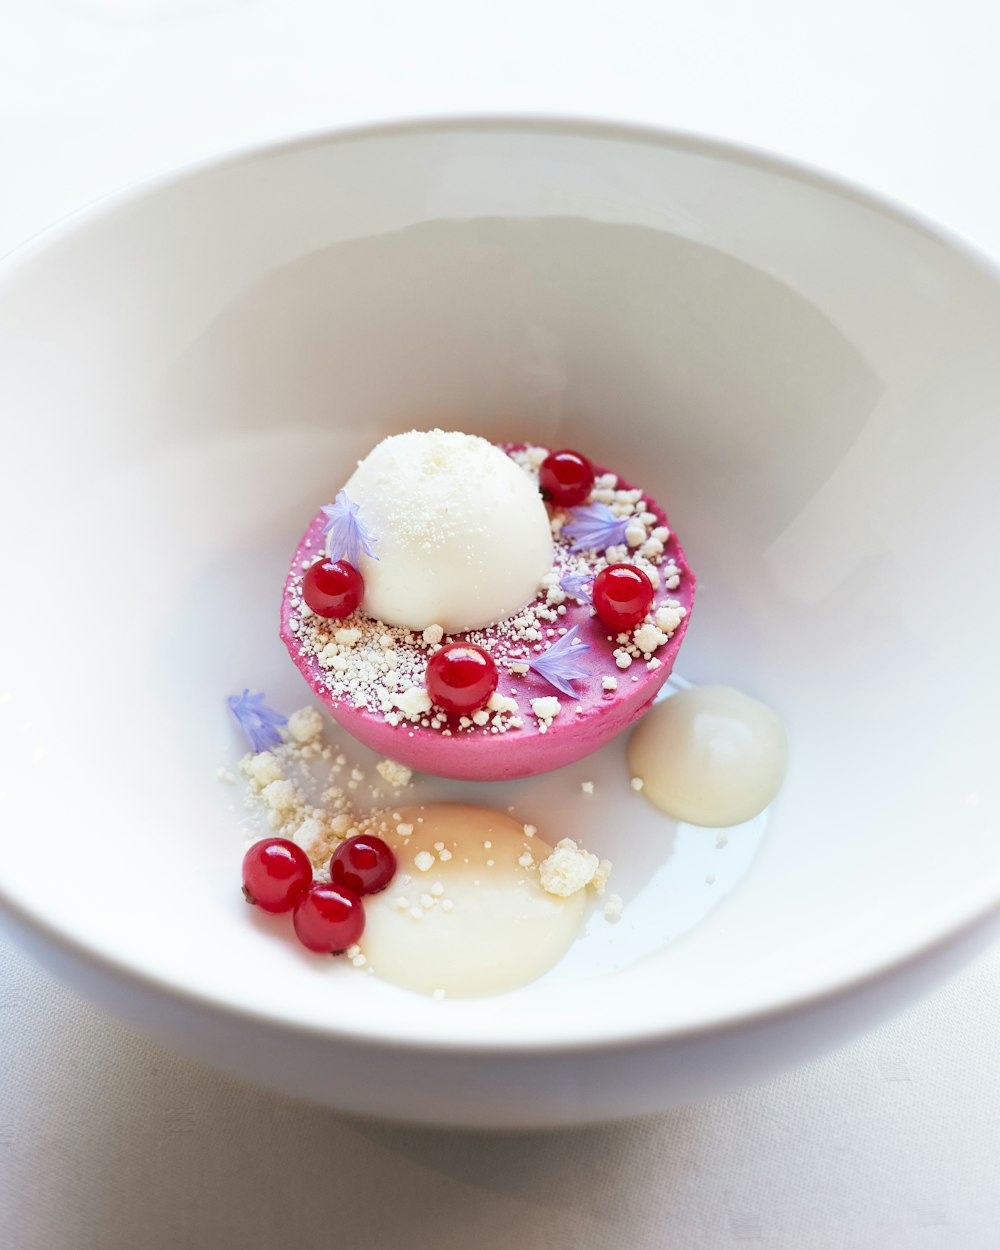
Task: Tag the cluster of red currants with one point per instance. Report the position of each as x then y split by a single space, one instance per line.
329 916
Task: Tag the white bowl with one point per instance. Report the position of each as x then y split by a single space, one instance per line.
805 377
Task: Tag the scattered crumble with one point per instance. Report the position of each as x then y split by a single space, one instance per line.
424 861
305 725
397 775
568 869
599 880
637 783
613 907
587 787
264 768
546 710
609 683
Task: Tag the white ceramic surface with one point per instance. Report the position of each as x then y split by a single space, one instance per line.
806 378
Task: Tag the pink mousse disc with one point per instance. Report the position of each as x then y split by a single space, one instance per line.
477 753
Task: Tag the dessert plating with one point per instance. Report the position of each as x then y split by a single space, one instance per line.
596 606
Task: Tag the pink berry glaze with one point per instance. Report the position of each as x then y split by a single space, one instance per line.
478 754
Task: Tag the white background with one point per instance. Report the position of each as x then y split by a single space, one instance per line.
108 1142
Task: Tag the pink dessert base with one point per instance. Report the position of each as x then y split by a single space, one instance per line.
584 723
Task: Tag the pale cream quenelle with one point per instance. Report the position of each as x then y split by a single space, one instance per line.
710 755
465 914
460 531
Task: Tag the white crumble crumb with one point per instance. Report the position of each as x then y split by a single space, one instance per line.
613 907
305 725
444 856
437 889
481 717
225 775
264 768
546 709
637 783
526 860
653 664
432 635
311 836
635 534
609 683
279 795
447 905
416 913
587 787
600 879
721 840
413 703
359 960
623 659
530 830
424 861
647 638
427 901
501 703
398 775
401 902
404 829
668 616
569 868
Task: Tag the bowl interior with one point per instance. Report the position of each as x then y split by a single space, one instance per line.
806 381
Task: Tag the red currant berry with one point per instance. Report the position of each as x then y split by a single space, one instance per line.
333 590
328 918
363 864
276 873
461 677
566 478
622 595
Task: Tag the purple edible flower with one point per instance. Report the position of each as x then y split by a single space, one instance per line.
259 722
559 665
349 537
595 528
577 584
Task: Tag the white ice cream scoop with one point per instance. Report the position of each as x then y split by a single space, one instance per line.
461 533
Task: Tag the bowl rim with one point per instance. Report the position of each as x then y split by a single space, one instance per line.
894 958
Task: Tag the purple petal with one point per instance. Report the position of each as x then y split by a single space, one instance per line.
576 584
349 536
258 721
595 528
559 665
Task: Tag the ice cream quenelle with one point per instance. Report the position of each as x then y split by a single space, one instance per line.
485 612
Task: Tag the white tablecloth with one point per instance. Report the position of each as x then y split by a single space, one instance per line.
107 1142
